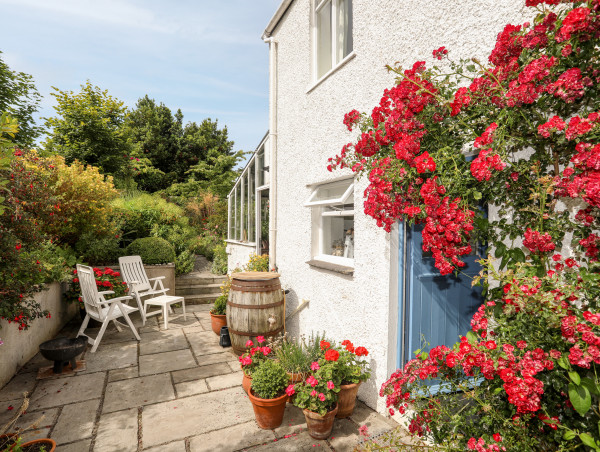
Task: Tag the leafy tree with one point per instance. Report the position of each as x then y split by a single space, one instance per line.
216 172
19 98
156 134
89 128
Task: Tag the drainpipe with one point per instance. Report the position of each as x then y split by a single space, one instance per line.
273 151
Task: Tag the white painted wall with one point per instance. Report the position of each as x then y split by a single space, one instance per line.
310 130
238 255
20 346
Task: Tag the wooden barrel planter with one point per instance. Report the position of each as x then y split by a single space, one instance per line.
255 308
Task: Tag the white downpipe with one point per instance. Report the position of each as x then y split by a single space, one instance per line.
273 157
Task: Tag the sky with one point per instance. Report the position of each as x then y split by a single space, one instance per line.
204 57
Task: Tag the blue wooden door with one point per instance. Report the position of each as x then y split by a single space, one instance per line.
434 308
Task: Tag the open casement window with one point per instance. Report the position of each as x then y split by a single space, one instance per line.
333 34
332 208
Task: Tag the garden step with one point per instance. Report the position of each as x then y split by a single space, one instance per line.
187 281
198 289
201 298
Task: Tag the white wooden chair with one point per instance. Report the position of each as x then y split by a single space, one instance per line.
100 309
132 270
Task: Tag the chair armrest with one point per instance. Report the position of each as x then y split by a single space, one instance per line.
157 277
133 282
112 300
106 292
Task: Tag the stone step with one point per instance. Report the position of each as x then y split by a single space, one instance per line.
200 298
186 281
198 289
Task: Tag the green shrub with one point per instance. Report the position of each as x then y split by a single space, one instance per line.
269 380
152 250
98 250
257 263
179 235
184 263
219 265
220 305
141 212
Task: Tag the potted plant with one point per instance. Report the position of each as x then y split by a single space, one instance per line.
218 318
268 394
12 442
293 357
251 359
36 445
317 395
351 371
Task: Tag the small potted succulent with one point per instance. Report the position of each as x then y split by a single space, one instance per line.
351 370
218 318
317 395
252 358
268 394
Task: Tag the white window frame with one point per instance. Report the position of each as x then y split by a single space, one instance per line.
319 4
319 214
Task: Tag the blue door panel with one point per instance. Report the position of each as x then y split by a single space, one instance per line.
439 308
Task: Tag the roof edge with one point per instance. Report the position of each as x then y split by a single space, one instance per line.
276 18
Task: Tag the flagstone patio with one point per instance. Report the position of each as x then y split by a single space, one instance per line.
176 390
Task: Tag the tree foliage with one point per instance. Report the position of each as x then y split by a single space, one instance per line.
19 98
89 127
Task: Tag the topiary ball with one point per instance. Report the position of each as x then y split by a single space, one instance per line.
152 250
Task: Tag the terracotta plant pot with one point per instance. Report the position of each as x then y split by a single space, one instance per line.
36 444
347 399
268 412
295 377
319 427
246 383
217 321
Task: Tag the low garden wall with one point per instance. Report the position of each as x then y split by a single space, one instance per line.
20 346
238 254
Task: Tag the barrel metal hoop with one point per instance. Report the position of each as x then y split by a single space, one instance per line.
255 306
270 333
250 288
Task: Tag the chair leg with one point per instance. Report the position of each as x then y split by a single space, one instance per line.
183 306
130 323
84 325
165 317
99 337
117 325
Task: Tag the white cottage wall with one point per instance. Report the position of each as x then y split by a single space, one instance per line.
238 255
310 129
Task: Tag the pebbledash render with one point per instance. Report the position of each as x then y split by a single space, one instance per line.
326 58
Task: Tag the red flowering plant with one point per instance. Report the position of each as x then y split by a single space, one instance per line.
350 365
107 279
253 356
319 391
530 118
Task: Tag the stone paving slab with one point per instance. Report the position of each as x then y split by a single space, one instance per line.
176 446
123 374
302 442
190 388
216 358
345 435
166 362
176 321
50 393
111 356
225 381
293 422
194 415
375 423
197 373
76 421
31 418
204 343
162 341
136 392
231 438
118 432
17 386
79 446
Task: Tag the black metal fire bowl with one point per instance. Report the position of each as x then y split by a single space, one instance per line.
63 350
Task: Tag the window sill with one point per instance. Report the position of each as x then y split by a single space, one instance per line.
341 64
343 269
237 242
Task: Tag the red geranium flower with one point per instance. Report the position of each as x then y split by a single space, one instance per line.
332 355
325 345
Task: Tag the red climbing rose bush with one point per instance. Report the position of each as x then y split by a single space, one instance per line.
520 135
